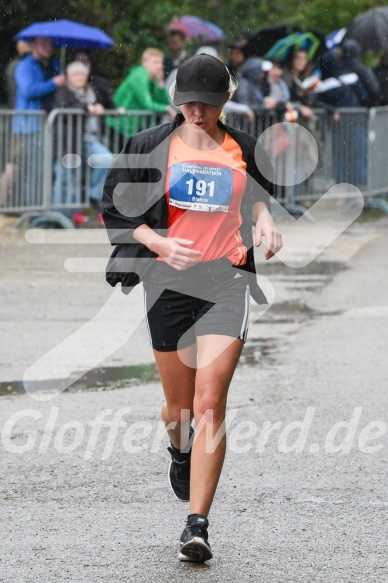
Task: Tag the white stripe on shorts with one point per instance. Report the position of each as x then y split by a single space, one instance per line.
244 327
146 316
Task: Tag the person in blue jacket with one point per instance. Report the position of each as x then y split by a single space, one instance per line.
37 79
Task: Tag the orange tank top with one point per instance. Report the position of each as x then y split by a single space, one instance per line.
204 189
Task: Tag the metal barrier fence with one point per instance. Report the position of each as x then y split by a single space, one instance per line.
21 160
333 150
75 182
378 151
44 159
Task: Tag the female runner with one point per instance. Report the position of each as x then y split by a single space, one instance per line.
182 223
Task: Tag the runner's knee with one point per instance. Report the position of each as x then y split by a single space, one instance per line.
177 414
211 404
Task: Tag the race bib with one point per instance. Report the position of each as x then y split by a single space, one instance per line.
200 187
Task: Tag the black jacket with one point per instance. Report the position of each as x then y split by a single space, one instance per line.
352 62
141 198
104 93
65 99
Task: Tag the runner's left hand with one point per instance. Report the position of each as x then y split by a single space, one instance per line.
265 227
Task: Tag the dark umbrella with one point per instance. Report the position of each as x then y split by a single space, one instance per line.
260 44
370 29
264 40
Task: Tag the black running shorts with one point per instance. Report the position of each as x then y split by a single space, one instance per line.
211 297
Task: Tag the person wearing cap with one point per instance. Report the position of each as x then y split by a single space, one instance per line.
232 106
171 77
188 236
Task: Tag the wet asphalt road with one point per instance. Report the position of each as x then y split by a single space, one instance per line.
82 501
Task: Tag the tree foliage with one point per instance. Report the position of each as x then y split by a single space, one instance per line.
136 24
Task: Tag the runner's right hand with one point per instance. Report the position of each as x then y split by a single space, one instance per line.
177 253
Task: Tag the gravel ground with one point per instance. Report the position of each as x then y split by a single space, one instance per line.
81 501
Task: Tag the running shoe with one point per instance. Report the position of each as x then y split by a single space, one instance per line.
179 472
194 540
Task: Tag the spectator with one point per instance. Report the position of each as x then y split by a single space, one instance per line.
176 51
297 69
236 56
7 177
350 52
381 72
104 96
251 91
143 89
76 94
22 48
37 79
231 107
276 92
334 85
349 132
273 84
208 50
100 85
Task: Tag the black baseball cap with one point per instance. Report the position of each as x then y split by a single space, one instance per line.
201 78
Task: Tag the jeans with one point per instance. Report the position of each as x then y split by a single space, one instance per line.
98 175
68 181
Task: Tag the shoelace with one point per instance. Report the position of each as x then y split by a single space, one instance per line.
198 530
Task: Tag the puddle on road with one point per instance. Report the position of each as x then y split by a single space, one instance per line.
104 378
288 313
257 350
318 273
260 350
329 268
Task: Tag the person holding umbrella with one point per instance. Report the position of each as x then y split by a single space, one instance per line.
189 236
40 75
37 79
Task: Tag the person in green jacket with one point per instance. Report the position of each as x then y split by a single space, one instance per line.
143 88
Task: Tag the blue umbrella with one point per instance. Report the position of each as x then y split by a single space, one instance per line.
66 33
